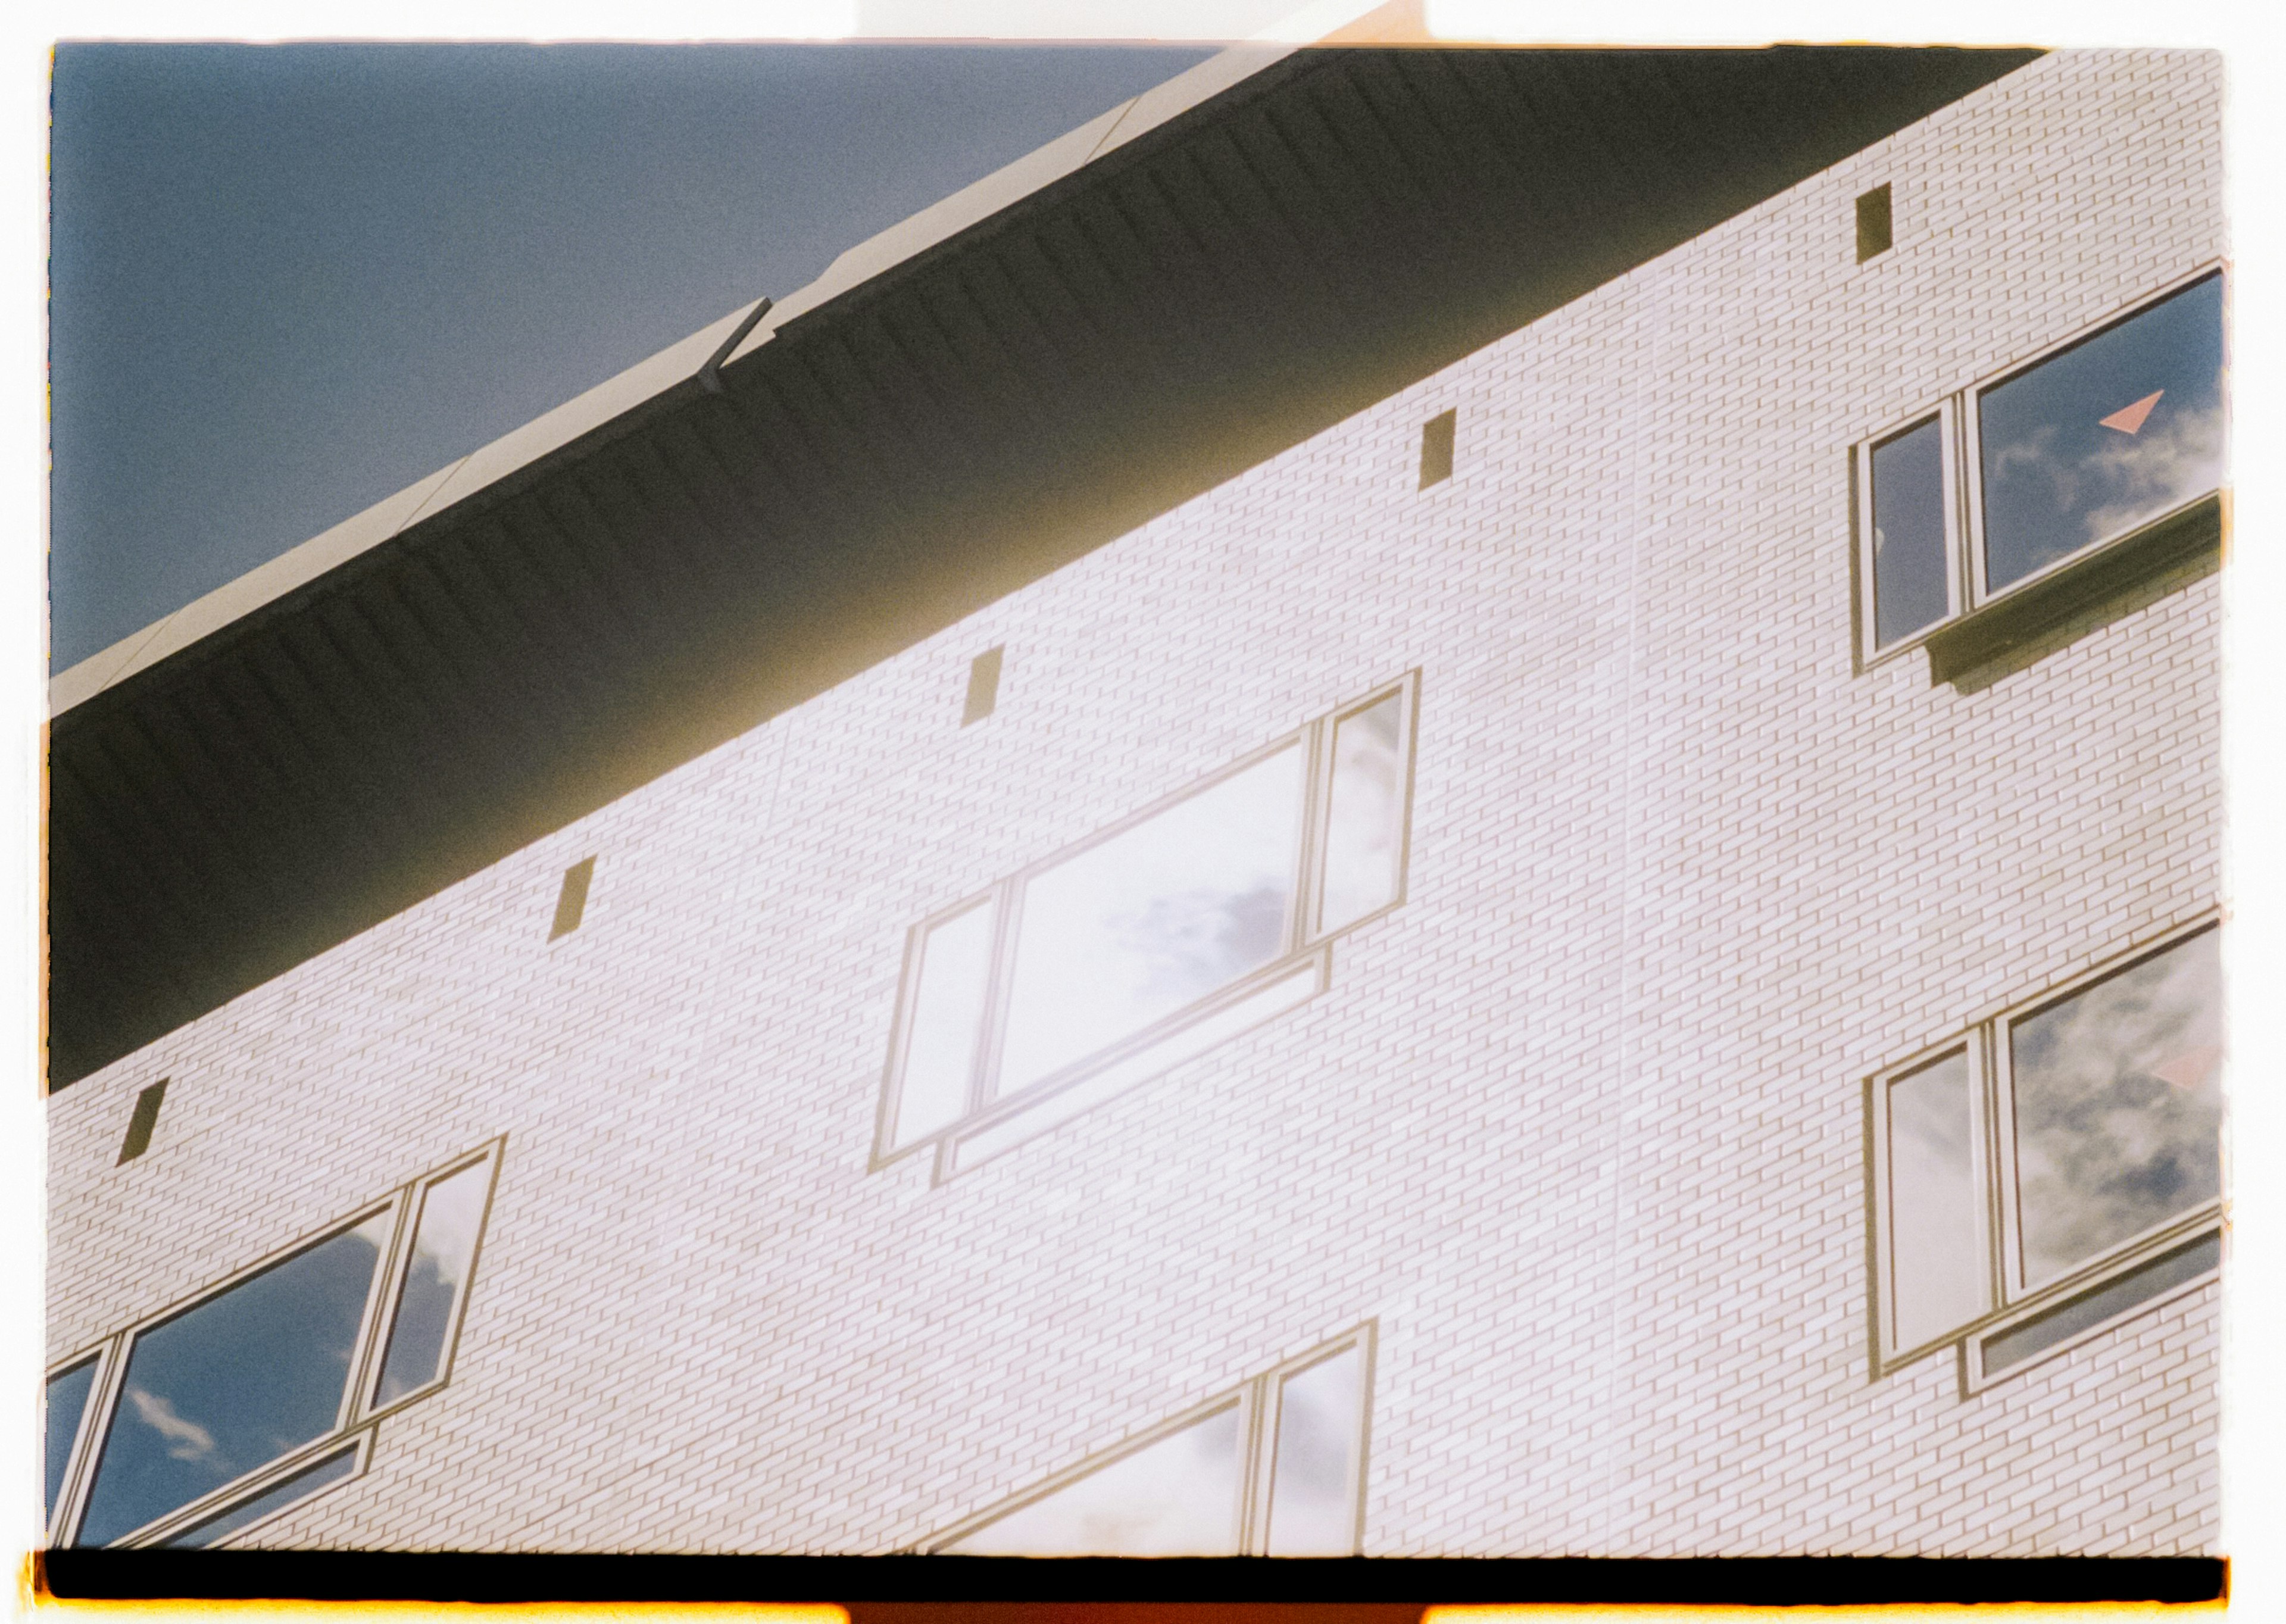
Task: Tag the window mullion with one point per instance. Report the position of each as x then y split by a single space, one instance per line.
1260 1398
999 985
1317 801
373 1331
2008 1275
1965 501
87 1444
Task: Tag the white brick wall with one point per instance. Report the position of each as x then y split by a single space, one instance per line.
1581 1122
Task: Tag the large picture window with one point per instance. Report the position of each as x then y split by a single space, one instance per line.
1156 938
2097 441
2051 1170
195 1424
1274 1467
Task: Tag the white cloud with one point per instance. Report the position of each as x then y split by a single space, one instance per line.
186 1440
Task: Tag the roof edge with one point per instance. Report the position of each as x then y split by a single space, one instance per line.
681 362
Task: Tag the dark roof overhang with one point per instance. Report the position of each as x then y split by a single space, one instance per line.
1250 271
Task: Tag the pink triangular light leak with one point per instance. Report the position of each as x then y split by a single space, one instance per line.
2128 418
2188 1070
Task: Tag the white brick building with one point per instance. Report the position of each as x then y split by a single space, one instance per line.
1573 1141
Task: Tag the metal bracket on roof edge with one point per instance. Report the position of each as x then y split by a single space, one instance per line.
710 375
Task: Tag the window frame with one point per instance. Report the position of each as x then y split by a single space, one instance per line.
1259 1398
356 1418
1303 944
2011 1300
1946 416
1966 592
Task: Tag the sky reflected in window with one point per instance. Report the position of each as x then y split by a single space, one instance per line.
1364 827
1153 918
1908 551
1177 1497
65 1402
234 1383
1937 1269
444 1246
2104 436
1314 1496
2119 1098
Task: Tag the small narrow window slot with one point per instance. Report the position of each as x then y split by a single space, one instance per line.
1873 223
572 901
1437 447
983 686
140 1124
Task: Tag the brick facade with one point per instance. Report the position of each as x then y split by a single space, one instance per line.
1580 1125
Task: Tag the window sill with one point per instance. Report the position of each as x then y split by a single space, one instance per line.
1262 997
2156 1273
2024 626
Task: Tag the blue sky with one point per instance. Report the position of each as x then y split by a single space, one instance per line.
288 280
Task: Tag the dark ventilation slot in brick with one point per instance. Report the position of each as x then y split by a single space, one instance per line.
140 1125
1437 448
1872 222
983 686
572 901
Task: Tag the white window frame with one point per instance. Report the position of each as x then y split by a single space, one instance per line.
1966 591
2012 1299
353 1423
1258 1399
992 1124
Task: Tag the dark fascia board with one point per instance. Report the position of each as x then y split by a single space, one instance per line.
1109 344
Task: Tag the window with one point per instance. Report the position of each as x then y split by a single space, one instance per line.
983 685
2007 481
572 899
1873 223
140 1125
2055 1168
1437 447
1276 1468
1152 941
193 1425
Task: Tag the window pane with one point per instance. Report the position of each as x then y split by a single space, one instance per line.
2119 1106
444 1246
1177 1497
2111 433
66 1400
1936 1268
1909 555
948 1009
1313 1496
1365 826
230 1385
301 1485
1153 918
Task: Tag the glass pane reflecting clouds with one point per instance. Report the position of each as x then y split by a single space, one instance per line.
2107 435
444 1246
65 1402
1909 555
1365 826
1177 1497
301 1485
1313 1496
1152 918
947 1011
234 1383
1937 1271
2119 1106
